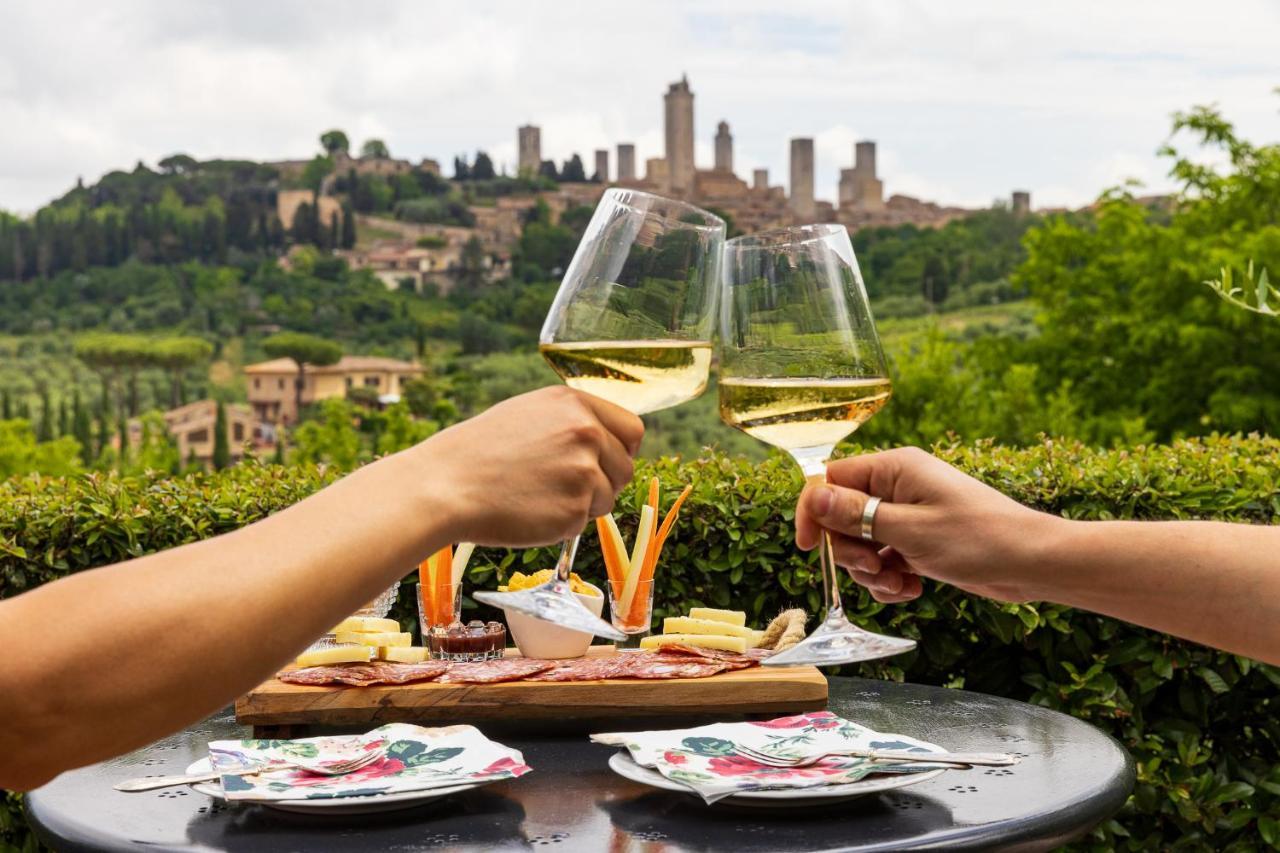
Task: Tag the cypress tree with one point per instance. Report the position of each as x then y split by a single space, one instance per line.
64 417
123 428
104 431
6 406
82 429
45 431
221 448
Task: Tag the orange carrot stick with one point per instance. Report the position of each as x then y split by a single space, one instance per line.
653 496
670 520
424 589
611 567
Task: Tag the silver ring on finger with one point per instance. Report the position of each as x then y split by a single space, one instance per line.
869 519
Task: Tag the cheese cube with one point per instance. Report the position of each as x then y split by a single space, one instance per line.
369 638
336 654
754 640
403 654
689 625
706 641
733 617
367 624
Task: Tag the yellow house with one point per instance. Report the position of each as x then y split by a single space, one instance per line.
273 396
193 426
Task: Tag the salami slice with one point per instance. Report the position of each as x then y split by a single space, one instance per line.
662 667
584 669
365 674
494 671
732 659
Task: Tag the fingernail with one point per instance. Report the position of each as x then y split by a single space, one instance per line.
823 499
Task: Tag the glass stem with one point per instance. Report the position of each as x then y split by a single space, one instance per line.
830 576
568 551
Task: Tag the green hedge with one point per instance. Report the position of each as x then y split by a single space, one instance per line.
1203 726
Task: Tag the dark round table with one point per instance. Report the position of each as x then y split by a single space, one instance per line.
1072 777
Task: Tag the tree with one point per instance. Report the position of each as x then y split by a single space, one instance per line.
333 141
461 171
573 171
304 349
64 417
420 395
348 239
221 449
933 281
471 269
375 149
547 169
45 432
178 355
400 431
82 429
178 164
330 438
20 453
6 406
482 168
313 175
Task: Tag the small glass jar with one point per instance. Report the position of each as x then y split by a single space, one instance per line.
471 642
378 609
635 623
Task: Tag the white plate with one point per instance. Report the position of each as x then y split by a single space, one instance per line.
366 804
624 765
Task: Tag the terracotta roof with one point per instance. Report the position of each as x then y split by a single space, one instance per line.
346 364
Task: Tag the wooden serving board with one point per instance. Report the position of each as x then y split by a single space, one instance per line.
745 691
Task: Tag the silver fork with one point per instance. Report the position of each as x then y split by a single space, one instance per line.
958 759
338 768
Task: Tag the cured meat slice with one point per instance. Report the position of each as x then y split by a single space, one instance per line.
662 667
365 674
758 655
584 669
731 659
389 672
494 671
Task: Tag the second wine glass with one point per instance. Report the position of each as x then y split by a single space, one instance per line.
632 324
800 369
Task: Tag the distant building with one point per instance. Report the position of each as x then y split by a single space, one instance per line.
860 189
656 173
760 179
272 384
802 203
529 139
679 137
1021 202
193 428
626 161
724 148
602 165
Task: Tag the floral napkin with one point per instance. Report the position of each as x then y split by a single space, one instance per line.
417 759
705 759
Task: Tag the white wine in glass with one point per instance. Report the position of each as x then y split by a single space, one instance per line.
801 369
632 324
639 376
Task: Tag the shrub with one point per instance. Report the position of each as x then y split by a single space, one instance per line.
1201 725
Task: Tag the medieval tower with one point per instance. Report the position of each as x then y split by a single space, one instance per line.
679 133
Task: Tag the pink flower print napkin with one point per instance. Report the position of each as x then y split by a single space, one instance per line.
705 758
417 759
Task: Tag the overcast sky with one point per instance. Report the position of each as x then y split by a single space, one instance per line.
966 100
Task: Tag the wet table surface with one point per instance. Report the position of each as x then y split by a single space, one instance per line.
1072 777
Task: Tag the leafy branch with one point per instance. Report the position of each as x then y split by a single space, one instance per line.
1252 294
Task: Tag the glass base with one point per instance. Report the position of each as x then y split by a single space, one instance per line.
553 602
837 641
631 643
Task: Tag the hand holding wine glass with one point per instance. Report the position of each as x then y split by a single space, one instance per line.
631 324
801 368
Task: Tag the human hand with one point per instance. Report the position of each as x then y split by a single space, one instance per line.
533 469
933 521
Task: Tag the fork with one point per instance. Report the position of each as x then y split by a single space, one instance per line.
960 759
338 768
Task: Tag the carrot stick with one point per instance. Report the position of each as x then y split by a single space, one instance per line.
611 567
653 495
442 575
670 520
425 585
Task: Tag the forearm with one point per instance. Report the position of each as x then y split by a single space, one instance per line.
1210 582
147 646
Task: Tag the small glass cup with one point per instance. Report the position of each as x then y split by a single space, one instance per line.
425 621
378 609
636 624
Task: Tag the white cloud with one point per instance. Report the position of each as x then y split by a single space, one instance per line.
966 101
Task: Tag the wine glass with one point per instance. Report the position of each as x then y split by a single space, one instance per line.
800 369
631 323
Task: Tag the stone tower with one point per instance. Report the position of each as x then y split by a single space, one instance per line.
724 148
626 161
529 140
1021 202
679 133
860 189
760 179
602 164
802 178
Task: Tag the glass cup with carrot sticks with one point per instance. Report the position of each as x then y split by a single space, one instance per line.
631 577
440 594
